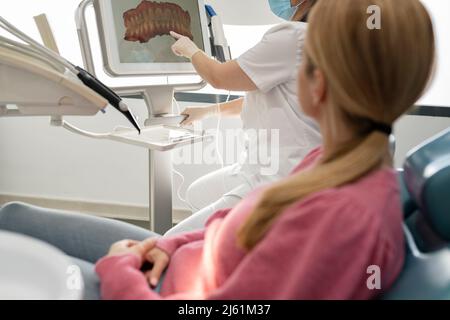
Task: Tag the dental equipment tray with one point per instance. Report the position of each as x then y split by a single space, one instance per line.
159 138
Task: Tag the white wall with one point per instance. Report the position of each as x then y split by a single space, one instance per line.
39 160
43 161
439 93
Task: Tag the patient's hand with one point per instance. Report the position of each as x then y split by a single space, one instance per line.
131 246
147 252
160 260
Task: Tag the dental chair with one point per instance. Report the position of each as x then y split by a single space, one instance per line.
425 183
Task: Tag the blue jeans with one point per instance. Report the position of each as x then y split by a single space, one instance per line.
84 238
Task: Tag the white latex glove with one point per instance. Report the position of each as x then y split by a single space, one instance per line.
199 113
184 47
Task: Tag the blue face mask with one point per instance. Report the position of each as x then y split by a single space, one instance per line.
283 8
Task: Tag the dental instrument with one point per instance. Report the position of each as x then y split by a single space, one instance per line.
34 49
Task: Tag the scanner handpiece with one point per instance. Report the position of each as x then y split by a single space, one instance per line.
114 99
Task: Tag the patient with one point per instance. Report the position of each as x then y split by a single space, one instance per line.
315 234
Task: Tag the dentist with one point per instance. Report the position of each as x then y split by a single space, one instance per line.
267 72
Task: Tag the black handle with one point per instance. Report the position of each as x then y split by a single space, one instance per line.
113 98
92 82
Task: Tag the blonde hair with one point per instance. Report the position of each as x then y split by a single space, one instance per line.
372 76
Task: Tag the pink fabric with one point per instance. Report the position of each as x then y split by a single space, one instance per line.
319 248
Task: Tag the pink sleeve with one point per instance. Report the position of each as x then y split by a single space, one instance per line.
121 278
171 244
306 255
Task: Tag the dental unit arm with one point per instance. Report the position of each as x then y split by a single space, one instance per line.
29 87
40 82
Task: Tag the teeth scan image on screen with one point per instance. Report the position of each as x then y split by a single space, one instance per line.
143 29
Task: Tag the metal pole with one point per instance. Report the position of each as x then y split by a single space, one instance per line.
160 180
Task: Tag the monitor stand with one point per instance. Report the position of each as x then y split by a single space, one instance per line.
159 103
159 100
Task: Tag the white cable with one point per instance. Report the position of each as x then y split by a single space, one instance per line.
183 199
84 133
178 106
17 44
36 45
22 49
219 121
219 154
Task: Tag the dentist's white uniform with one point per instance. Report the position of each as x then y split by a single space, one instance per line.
273 66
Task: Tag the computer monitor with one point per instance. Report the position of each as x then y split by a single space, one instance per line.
135 39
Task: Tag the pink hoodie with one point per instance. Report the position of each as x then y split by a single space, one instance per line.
322 247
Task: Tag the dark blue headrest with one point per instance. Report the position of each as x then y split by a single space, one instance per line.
409 206
427 178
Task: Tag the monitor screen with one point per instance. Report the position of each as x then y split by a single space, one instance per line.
136 38
142 29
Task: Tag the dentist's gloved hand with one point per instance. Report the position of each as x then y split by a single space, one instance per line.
184 47
195 114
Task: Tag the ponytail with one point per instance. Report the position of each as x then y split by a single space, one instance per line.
330 173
